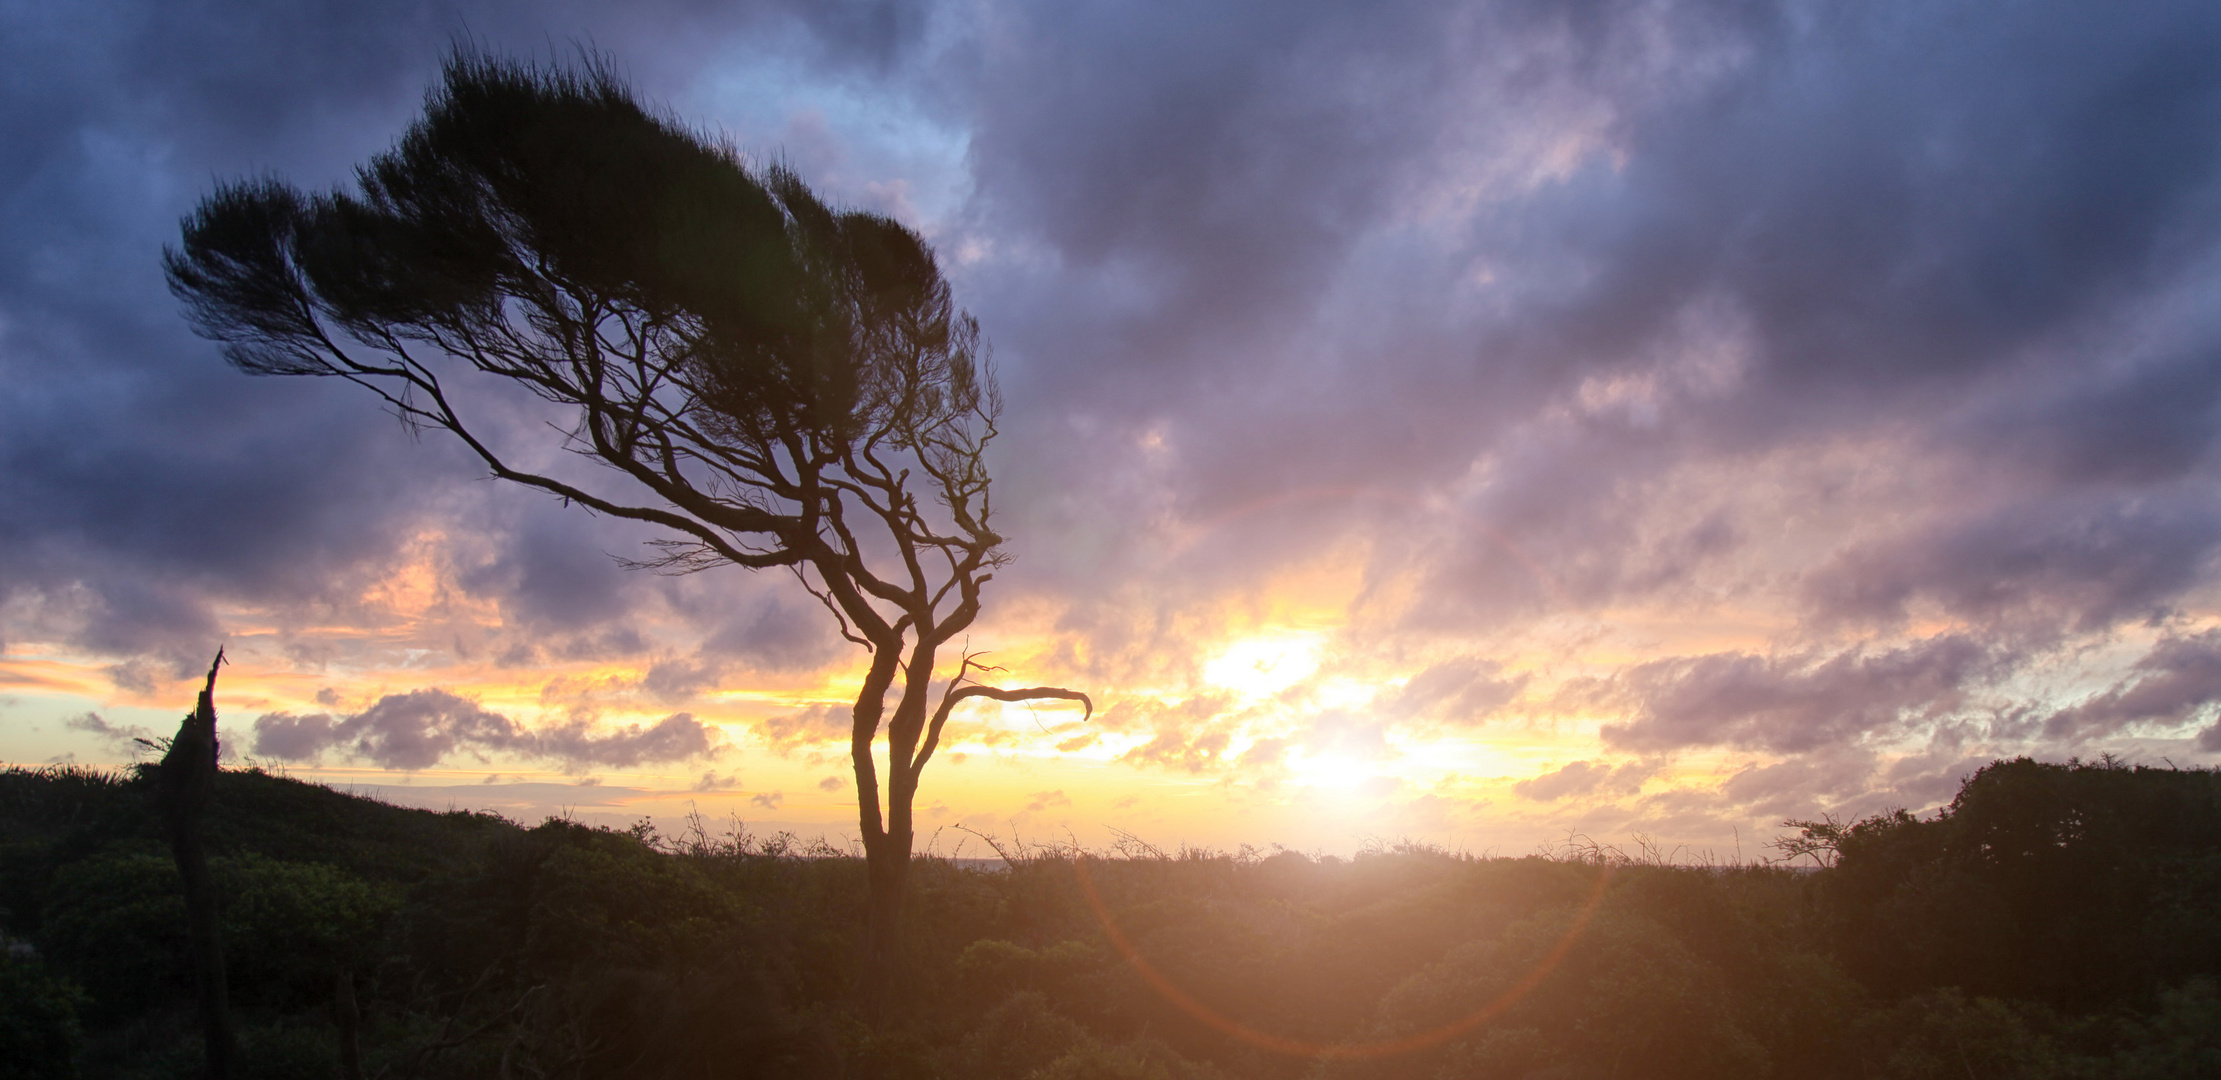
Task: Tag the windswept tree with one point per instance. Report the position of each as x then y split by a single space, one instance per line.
771 382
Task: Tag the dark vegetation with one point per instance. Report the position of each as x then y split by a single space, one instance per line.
2054 921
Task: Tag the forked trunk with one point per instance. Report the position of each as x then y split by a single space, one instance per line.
887 841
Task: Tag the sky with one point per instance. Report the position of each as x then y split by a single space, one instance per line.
1481 424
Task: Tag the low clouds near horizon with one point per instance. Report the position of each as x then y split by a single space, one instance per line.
423 728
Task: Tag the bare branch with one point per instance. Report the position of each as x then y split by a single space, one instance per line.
958 694
826 598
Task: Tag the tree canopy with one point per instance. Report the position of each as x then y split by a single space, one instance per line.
775 382
732 343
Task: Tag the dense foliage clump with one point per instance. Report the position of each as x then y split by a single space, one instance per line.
2053 921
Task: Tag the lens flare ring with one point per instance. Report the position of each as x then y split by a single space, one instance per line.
1226 1025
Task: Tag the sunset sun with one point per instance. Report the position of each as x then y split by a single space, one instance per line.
1260 667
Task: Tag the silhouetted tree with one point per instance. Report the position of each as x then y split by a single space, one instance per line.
2072 884
778 384
183 781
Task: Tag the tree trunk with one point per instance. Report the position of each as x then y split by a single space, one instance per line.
886 850
888 866
186 776
888 840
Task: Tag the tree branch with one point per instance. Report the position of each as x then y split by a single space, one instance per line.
958 694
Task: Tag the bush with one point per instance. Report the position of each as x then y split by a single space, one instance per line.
570 951
39 1032
2077 885
117 922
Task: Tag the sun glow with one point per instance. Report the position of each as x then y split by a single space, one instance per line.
1331 770
1263 666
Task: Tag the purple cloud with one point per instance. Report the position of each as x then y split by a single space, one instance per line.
1582 778
1790 704
2177 683
418 730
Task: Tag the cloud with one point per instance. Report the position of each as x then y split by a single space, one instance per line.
1458 692
549 580
2089 560
768 800
808 726
2144 420
420 729
1045 800
1790 704
676 737
1582 778
1264 754
1800 786
780 635
2173 685
1173 748
125 738
126 429
1887 335
675 681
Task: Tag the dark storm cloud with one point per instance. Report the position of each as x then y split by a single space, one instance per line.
2141 423
147 485
552 578
136 502
1789 704
418 730
1209 158
2086 559
1898 206
1899 196
1891 215
1202 181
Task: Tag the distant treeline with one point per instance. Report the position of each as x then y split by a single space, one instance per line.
2053 921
